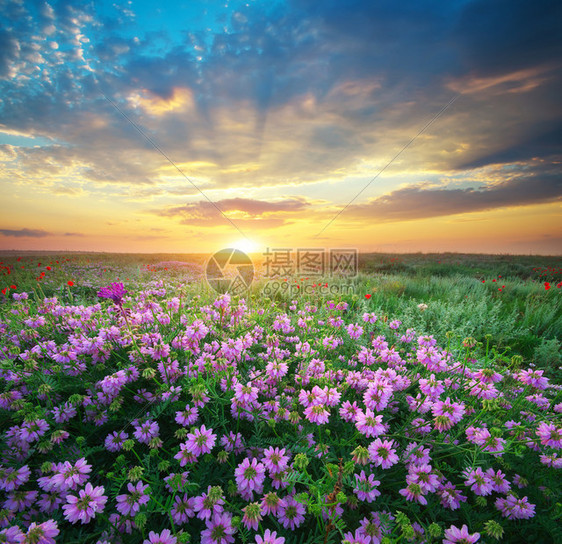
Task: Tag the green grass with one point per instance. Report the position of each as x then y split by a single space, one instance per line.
522 319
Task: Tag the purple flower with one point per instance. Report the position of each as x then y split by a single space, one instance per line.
71 477
182 509
366 487
12 535
200 441
114 441
84 507
275 460
219 530
382 453
165 537
249 477
454 535
115 291
270 537
514 508
146 431
130 504
209 504
291 514
43 533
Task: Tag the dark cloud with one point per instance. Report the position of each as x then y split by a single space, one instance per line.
418 202
501 36
546 142
25 233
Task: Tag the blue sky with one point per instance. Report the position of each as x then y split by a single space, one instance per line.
281 113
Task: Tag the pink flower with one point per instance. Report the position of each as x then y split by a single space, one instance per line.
366 487
219 530
514 508
369 424
454 535
43 533
317 413
71 477
130 504
382 453
450 496
83 508
270 537
275 460
200 441
291 513
479 482
165 537
249 477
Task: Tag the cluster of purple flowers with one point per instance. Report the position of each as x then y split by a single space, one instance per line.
396 404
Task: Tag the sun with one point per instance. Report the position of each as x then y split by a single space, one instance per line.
246 245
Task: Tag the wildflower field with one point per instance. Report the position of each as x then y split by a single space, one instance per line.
137 405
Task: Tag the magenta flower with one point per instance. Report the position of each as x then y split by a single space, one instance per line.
201 441
450 496
83 508
479 481
514 508
165 537
366 487
550 435
369 424
317 413
219 530
115 291
43 533
454 535
275 460
249 477
114 441
182 509
210 504
414 492
382 453
270 537
291 514
188 416
146 431
271 503
71 476
130 504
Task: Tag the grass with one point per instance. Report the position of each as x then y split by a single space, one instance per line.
500 300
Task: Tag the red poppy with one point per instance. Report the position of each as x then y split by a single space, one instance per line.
48 268
483 281
546 285
13 287
70 283
19 259
4 290
367 295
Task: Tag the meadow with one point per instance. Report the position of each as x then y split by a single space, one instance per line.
418 401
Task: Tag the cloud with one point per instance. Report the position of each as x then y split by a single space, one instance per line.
243 212
291 93
416 202
25 233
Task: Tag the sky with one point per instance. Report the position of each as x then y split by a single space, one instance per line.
140 126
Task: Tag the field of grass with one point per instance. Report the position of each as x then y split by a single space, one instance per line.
418 401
